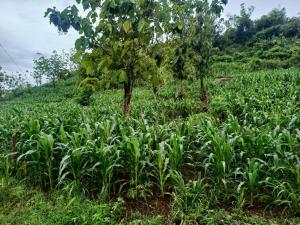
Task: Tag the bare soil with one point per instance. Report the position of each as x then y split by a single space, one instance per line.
224 79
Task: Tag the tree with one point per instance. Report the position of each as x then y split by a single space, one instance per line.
193 28
180 27
244 24
203 31
54 67
274 18
37 73
240 28
10 82
115 39
2 80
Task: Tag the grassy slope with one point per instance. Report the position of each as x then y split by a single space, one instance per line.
21 205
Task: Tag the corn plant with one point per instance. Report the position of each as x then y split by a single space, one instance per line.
253 171
107 161
162 167
138 161
188 196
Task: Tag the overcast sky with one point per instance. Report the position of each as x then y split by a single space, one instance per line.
24 31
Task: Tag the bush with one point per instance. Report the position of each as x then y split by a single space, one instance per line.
277 53
224 58
240 56
255 64
84 96
294 61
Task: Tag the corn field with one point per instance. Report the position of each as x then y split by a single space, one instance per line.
244 151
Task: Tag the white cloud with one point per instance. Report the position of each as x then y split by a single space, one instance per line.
262 7
24 32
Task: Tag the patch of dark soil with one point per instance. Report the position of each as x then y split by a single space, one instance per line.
205 104
152 206
224 79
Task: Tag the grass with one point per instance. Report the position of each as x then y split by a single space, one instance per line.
23 205
237 160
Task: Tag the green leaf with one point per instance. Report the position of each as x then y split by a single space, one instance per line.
78 44
180 26
122 76
142 25
127 25
104 63
89 69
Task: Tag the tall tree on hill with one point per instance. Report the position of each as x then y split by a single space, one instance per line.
55 67
273 18
240 28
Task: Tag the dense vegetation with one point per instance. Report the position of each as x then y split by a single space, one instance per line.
269 42
243 153
224 153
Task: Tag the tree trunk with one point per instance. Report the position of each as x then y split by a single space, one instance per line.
127 97
203 96
181 93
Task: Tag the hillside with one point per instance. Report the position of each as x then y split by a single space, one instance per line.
172 161
164 113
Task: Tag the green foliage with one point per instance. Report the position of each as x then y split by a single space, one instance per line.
193 38
115 41
2 79
241 29
10 83
23 205
274 18
20 205
242 152
276 53
53 68
247 140
84 95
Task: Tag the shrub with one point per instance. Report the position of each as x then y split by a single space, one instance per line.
84 96
255 63
240 56
224 58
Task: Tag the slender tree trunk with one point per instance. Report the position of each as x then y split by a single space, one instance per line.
203 96
181 93
127 97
